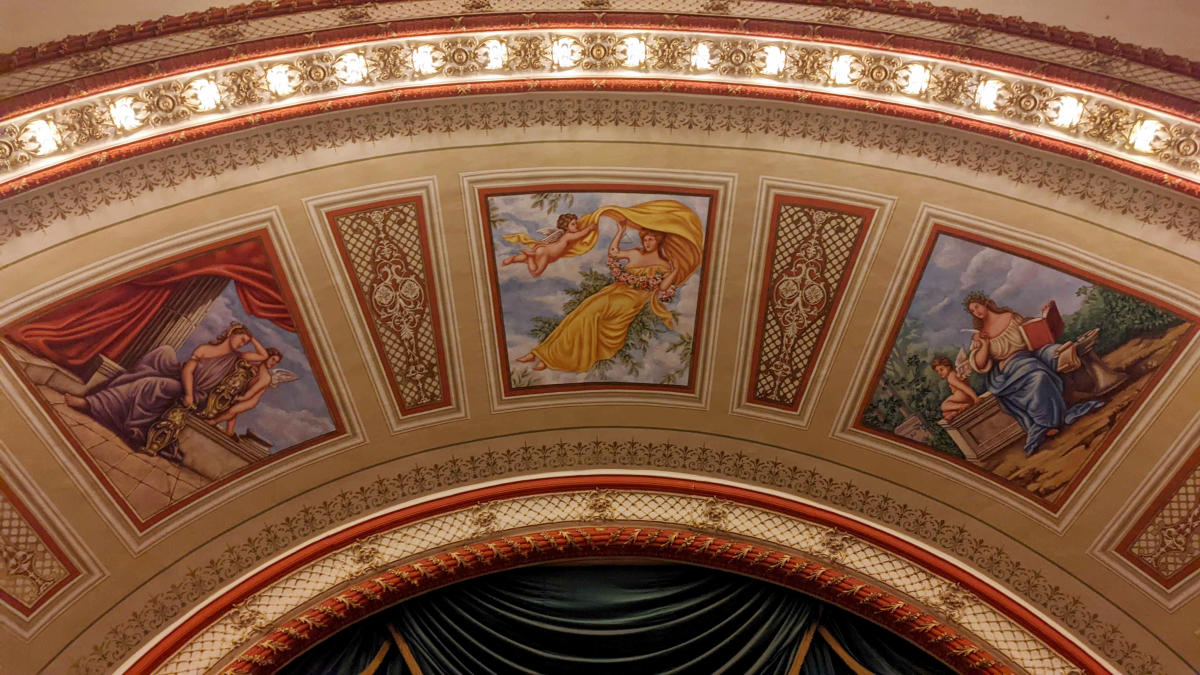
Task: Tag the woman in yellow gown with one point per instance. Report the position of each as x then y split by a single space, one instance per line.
672 245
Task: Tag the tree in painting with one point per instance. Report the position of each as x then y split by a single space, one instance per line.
576 312
177 376
1016 367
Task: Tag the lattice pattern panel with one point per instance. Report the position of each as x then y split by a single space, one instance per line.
809 263
29 567
364 561
1169 543
387 256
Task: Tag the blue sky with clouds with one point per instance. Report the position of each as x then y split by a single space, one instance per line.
956 267
289 414
523 297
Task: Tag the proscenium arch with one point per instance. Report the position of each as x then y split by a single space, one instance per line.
270 615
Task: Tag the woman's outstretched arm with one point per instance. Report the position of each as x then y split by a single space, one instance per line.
259 353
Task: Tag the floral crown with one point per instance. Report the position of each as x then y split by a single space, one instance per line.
975 296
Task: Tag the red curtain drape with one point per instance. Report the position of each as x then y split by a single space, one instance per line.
107 322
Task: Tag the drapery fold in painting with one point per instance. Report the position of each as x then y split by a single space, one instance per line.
612 619
107 322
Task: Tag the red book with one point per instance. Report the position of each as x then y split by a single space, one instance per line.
1044 330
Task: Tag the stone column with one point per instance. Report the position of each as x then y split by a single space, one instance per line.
185 308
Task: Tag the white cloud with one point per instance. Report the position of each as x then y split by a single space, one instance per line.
940 306
286 428
986 265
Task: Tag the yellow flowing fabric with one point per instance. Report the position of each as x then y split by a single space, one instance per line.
597 328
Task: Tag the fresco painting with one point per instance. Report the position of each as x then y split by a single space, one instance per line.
598 287
1018 368
178 375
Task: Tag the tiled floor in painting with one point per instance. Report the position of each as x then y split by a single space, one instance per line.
148 484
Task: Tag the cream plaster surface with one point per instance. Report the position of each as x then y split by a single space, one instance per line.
1061 559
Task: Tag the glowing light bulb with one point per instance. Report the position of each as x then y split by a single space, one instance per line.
918 79
497 54
1064 112
283 80
350 68
423 60
202 94
701 56
774 59
1143 134
841 69
635 51
41 137
123 114
988 93
566 52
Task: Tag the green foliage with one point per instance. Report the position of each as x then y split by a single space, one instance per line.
910 387
552 202
645 329
494 217
683 349
1120 318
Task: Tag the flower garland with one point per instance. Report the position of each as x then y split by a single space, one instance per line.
641 282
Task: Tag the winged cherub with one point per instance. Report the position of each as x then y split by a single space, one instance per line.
268 376
554 244
962 396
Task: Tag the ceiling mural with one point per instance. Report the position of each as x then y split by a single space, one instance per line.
1016 367
169 381
310 307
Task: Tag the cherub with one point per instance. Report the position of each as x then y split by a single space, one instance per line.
962 396
268 376
554 244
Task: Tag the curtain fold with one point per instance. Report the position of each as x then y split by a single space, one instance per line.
107 321
617 620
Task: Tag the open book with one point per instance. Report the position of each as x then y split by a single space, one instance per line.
1044 330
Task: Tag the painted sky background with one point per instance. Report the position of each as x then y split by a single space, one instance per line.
956 267
523 297
286 415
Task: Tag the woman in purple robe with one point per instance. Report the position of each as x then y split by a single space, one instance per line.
132 402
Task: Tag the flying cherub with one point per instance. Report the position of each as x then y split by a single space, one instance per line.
962 396
555 243
268 376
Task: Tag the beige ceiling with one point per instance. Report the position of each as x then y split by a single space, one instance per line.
1058 558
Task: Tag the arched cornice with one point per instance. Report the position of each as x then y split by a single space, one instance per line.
270 615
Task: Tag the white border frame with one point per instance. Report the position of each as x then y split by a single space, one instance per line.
725 185
426 189
104 271
892 305
769 188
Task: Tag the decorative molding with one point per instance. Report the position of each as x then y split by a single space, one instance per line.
44 565
986 39
403 325
1154 540
136 534
51 141
1057 516
155 613
329 582
794 375
83 200
722 185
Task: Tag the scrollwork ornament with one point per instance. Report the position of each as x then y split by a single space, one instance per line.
1183 148
463 57
808 65
1105 122
244 86
602 52
669 53
11 152
84 124
735 57
879 73
528 52
316 73
164 103
1027 102
953 86
388 63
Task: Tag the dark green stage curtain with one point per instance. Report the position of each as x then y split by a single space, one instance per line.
622 620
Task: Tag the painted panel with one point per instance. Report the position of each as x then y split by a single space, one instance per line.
812 248
34 567
1165 541
1017 367
598 286
179 376
384 247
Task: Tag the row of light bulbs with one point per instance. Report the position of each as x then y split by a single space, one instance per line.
41 137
